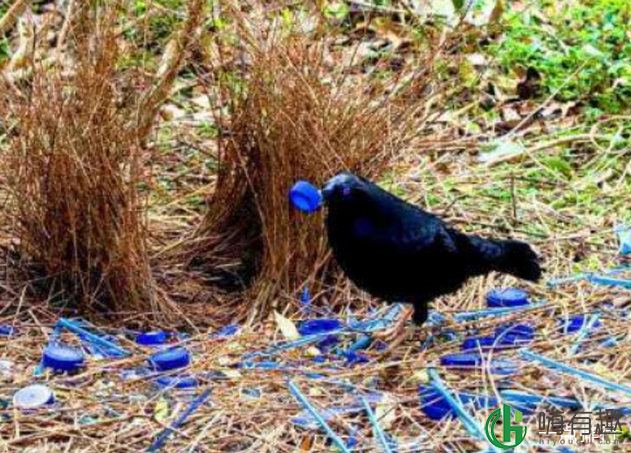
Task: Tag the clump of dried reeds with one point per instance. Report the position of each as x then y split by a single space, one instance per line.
75 161
291 114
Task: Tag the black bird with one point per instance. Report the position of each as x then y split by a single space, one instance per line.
400 253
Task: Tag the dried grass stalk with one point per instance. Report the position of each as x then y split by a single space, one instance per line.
291 115
74 164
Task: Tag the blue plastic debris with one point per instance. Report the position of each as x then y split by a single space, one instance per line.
226 331
305 297
319 326
576 323
461 360
7 330
352 440
563 368
533 401
162 437
62 358
494 312
483 343
305 196
153 338
379 321
354 358
587 326
507 297
470 424
262 365
111 348
624 239
251 392
178 382
468 360
379 434
361 343
521 331
170 359
304 402
33 397
602 278
436 407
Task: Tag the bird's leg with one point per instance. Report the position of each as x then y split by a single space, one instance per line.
400 332
398 329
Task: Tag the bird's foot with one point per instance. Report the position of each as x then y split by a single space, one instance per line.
396 335
389 335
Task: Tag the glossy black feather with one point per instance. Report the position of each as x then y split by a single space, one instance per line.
400 253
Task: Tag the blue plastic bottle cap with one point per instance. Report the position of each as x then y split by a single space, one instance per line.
461 360
178 382
62 358
171 359
152 338
33 396
305 196
318 326
506 297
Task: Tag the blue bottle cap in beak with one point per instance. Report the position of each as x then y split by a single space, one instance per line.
305 196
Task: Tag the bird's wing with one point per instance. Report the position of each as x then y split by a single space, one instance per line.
416 232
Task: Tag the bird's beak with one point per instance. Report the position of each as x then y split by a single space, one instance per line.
327 190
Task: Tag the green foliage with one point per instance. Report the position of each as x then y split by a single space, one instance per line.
589 38
4 42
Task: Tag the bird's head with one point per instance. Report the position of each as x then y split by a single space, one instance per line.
342 188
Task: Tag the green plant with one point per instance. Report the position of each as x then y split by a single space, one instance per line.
581 50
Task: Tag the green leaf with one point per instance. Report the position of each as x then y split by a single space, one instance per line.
560 165
458 4
336 10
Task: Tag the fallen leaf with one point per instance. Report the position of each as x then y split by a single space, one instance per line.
287 327
161 410
386 412
501 150
476 59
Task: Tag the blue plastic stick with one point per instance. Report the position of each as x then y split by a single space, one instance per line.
378 322
375 424
303 341
467 420
475 314
598 278
361 343
610 281
563 280
575 372
513 396
73 327
179 422
304 402
583 332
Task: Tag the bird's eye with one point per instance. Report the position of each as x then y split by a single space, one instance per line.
346 191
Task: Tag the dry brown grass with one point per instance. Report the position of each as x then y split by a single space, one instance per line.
78 127
293 113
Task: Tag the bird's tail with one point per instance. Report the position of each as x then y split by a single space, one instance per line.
518 259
